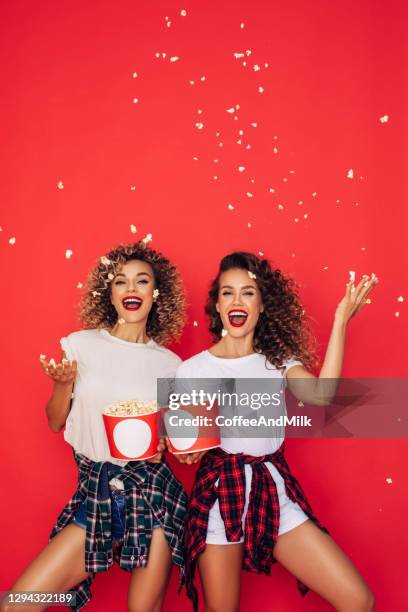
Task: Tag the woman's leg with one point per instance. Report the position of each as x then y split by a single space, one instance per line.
59 567
312 556
148 584
220 572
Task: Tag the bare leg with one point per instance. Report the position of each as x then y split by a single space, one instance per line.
312 556
148 584
59 567
220 572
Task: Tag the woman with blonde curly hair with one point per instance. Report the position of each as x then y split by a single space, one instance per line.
131 512
247 510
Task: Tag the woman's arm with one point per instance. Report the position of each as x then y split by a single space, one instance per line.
321 390
63 374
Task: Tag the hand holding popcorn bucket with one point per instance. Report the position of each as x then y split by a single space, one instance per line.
191 429
132 429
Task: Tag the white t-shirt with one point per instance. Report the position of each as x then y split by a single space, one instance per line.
109 369
207 365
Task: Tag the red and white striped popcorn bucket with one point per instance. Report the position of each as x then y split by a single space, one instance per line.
193 437
132 429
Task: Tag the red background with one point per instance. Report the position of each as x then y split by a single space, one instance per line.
334 68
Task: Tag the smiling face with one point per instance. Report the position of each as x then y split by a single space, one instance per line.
239 302
132 291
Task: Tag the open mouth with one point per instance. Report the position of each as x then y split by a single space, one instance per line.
132 303
237 317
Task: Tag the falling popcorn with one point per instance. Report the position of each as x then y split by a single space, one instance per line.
368 301
241 168
260 253
135 100
384 118
239 55
249 194
397 314
79 285
231 207
275 150
43 357
231 110
135 75
174 58
147 238
183 12
199 126
111 276
195 324
352 276
388 480
242 26
68 253
256 67
95 293
105 261
251 274
253 125
350 174
133 188
60 185
261 89
133 228
400 299
12 240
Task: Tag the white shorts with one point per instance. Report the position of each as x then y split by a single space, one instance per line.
291 514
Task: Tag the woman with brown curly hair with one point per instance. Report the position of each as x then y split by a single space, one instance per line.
246 509
131 512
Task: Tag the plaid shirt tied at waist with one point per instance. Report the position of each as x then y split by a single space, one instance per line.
151 490
262 518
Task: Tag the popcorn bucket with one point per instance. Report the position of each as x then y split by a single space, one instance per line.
132 429
189 431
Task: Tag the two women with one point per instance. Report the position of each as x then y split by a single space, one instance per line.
247 509
131 512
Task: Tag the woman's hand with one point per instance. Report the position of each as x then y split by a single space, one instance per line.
63 373
355 298
186 457
161 448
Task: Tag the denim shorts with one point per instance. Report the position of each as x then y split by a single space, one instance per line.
118 515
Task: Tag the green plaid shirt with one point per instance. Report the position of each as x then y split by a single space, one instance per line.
151 490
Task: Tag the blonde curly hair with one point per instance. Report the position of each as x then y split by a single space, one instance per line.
168 314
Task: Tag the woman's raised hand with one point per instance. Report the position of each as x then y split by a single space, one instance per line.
63 373
355 297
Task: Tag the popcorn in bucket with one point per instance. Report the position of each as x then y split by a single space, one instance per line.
192 428
132 429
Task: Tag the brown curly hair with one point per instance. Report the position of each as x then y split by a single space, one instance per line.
283 331
168 314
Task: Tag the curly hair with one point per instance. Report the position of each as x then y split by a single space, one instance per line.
283 330
168 314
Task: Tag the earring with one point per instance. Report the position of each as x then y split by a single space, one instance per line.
224 332
156 294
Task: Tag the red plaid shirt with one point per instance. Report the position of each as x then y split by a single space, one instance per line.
262 519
